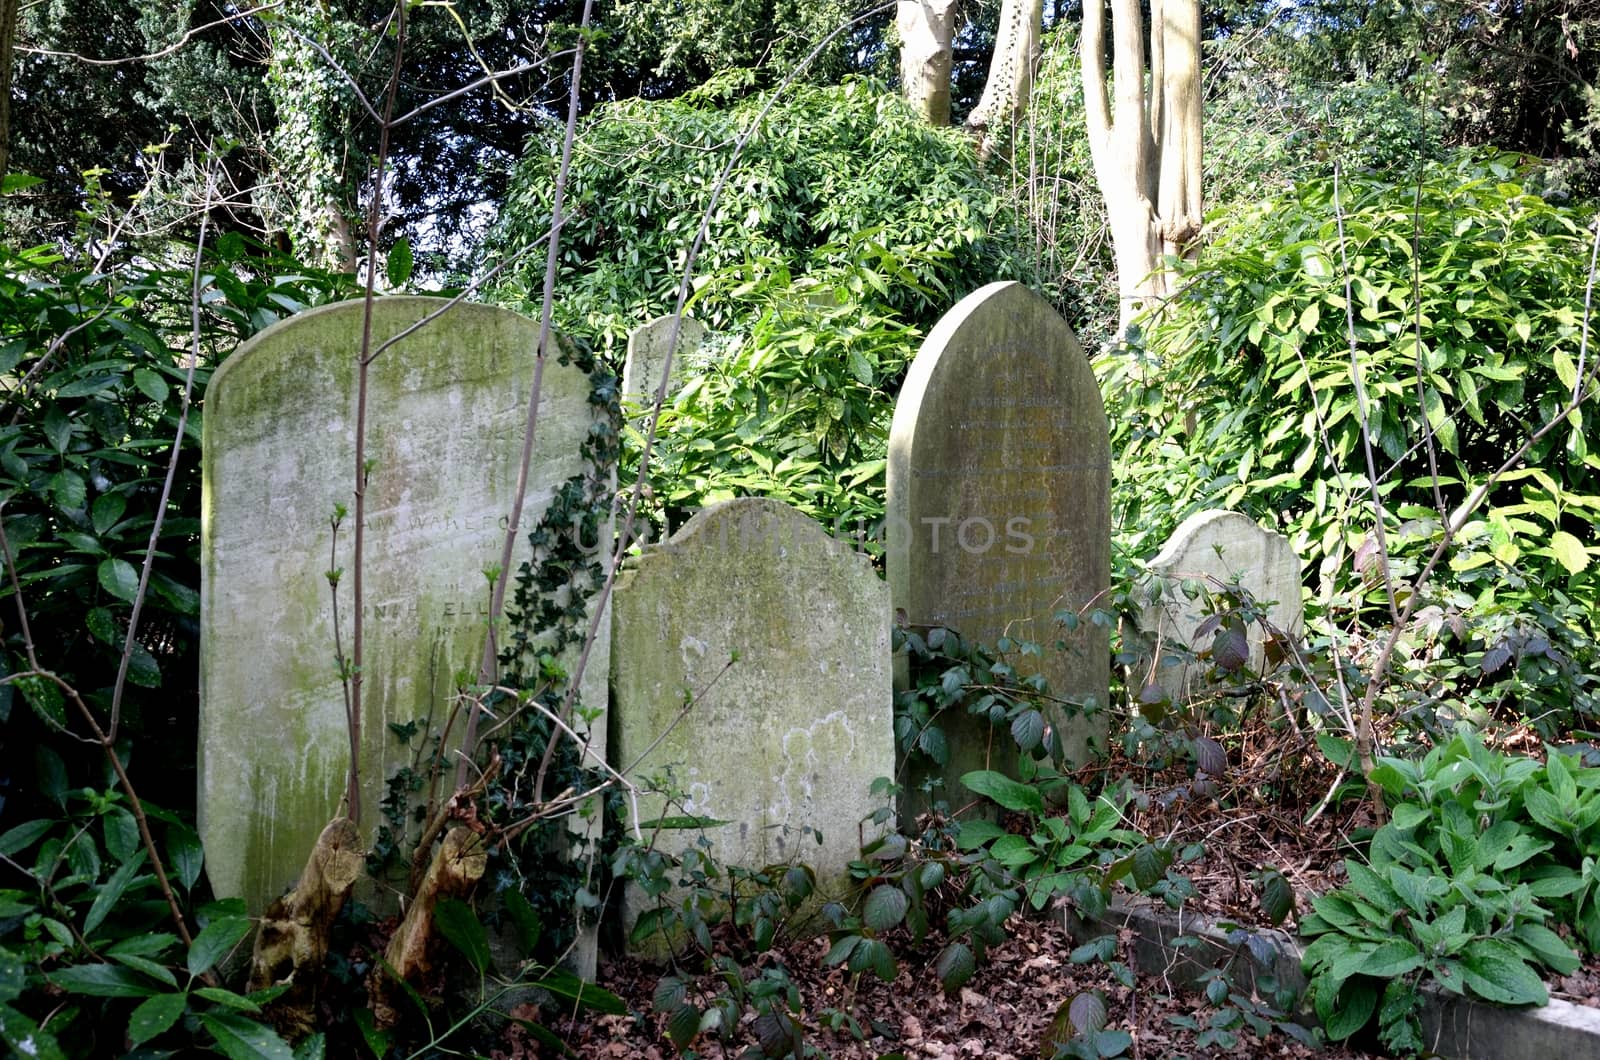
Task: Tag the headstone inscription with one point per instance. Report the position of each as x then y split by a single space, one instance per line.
999 508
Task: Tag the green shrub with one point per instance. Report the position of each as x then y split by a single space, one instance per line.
1242 396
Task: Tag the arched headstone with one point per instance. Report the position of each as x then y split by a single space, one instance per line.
999 505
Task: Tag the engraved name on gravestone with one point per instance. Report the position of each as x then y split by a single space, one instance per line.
789 736
446 411
999 508
1217 549
647 355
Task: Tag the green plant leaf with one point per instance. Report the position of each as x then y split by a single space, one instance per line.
1548 947
1277 897
24 1036
459 924
970 835
1496 972
1011 794
45 697
569 987
399 265
525 918
101 980
1391 959
885 907
119 578
155 1015
240 1038
1354 1008
111 892
954 966
1569 552
214 942
150 384
683 1025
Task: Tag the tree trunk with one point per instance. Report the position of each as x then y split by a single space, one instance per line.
927 35
10 12
1146 148
1005 92
457 866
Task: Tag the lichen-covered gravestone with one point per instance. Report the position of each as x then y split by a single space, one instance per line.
777 636
999 508
1217 549
446 410
647 356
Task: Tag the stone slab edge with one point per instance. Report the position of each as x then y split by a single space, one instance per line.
1452 1026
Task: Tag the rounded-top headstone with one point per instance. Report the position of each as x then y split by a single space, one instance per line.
1219 549
446 409
999 503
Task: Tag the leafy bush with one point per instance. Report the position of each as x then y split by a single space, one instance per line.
1243 395
1483 852
846 227
96 364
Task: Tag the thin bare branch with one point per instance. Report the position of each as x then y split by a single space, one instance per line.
164 52
130 642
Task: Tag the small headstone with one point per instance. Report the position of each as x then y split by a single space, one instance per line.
999 507
446 410
777 636
647 356
1218 549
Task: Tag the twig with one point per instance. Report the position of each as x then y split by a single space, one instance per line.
135 805
130 643
491 652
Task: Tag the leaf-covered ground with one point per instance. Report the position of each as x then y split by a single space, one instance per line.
1003 1012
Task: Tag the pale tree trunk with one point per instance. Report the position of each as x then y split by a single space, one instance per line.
10 12
1146 143
1005 92
927 35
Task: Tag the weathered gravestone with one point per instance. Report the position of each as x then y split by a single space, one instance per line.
1218 549
647 356
446 410
999 508
791 734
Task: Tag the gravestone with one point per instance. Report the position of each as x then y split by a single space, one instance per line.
999 509
446 411
647 355
1218 549
777 636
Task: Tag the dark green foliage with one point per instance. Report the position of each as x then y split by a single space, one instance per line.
99 362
